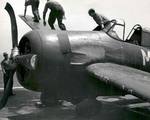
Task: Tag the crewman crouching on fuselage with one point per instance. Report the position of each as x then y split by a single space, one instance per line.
101 20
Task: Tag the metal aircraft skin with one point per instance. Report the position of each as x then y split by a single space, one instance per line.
61 64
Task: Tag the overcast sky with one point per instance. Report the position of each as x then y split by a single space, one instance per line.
132 11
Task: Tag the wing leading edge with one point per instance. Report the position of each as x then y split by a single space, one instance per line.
135 81
33 25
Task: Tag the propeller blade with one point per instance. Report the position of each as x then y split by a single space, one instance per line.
15 52
6 93
14 30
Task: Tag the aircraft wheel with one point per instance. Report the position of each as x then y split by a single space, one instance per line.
88 107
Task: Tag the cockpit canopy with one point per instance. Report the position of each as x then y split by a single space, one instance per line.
138 35
116 29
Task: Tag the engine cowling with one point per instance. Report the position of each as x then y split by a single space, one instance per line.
49 58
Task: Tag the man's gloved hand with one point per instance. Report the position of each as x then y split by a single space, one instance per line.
27 2
64 17
44 23
103 26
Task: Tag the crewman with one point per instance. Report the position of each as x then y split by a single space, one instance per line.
8 69
101 20
57 12
35 5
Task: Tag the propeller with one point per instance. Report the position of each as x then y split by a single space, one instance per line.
14 32
28 61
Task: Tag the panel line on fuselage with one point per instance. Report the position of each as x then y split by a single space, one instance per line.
64 42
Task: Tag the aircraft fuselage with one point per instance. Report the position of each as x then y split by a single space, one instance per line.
62 58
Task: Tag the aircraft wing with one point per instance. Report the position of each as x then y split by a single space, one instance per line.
134 81
33 25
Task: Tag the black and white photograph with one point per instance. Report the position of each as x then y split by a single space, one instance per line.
74 60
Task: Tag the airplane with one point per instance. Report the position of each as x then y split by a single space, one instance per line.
72 65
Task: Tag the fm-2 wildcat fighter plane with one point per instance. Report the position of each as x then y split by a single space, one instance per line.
61 64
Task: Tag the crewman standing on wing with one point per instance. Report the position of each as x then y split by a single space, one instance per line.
35 8
101 20
57 12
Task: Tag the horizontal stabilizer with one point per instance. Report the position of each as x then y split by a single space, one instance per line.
135 81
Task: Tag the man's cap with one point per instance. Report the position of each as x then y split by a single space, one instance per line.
91 10
5 53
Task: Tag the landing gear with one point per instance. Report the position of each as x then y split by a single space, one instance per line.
47 100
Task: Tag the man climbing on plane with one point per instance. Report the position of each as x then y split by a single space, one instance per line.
57 12
101 20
